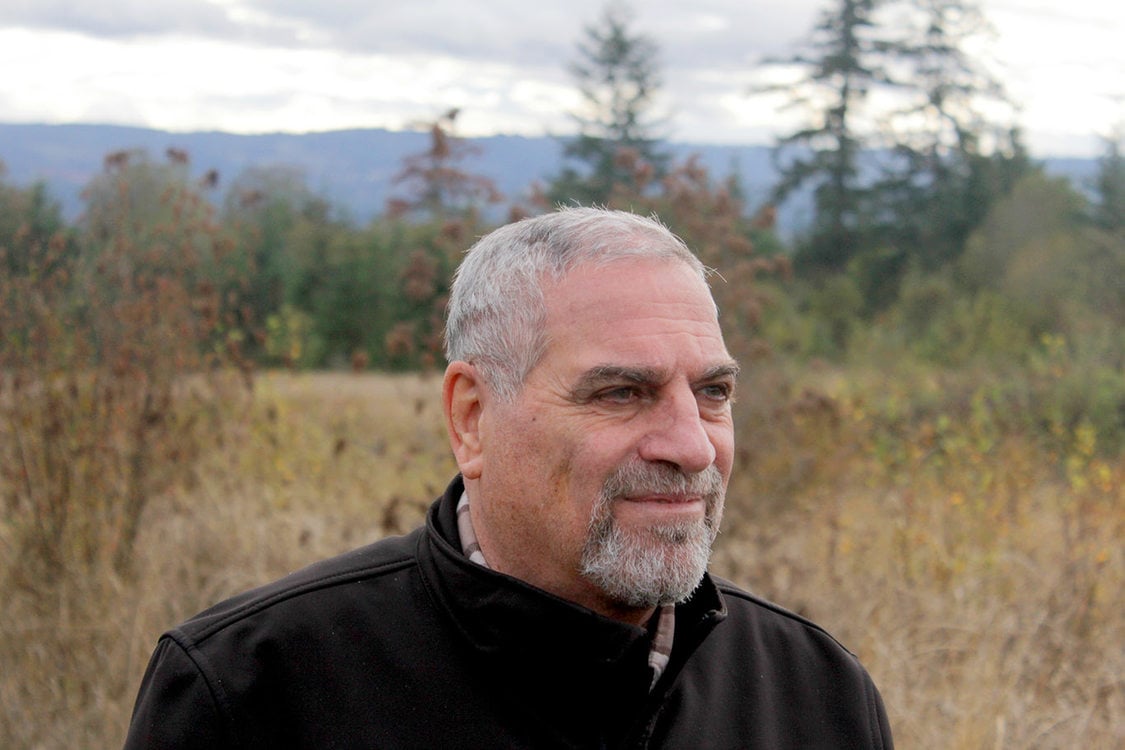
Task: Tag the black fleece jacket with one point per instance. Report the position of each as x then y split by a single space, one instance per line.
407 644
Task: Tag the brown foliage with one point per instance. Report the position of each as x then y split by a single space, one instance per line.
102 347
434 181
114 354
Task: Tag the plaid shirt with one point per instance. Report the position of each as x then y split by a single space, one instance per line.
660 651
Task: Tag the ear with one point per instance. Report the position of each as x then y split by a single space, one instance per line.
462 400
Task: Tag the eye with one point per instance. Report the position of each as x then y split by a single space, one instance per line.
623 394
717 392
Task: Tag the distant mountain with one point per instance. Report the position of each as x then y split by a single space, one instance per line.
353 169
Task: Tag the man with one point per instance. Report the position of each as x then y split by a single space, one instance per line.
558 594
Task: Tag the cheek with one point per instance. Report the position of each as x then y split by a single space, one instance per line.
539 457
599 451
579 468
722 437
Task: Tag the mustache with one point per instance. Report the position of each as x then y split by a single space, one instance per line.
643 478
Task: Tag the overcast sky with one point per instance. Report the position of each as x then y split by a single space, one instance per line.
254 66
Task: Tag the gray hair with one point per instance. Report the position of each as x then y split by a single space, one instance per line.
497 314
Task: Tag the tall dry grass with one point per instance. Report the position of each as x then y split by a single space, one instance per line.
974 566
316 465
116 344
977 573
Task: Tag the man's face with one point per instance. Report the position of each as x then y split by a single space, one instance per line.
603 481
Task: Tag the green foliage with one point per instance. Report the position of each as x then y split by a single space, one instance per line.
29 219
948 164
323 293
1109 207
1057 272
930 203
1037 209
836 307
983 325
1035 268
427 256
1095 280
263 210
345 302
288 337
876 271
1080 384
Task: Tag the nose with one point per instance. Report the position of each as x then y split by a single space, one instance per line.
678 435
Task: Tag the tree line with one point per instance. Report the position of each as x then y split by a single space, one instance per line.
912 183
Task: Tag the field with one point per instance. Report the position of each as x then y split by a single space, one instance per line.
974 567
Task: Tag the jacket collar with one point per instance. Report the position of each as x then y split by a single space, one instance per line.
504 615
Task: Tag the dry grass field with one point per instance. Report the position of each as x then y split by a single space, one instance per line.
977 571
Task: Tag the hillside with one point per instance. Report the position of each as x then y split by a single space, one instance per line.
353 169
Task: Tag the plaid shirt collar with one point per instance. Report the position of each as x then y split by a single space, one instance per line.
665 618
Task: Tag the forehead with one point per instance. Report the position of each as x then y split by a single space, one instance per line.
651 312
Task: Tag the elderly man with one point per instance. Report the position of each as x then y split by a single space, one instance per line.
557 595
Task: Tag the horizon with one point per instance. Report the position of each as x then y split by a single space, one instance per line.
423 129
356 175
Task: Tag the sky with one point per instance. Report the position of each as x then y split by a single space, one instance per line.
256 66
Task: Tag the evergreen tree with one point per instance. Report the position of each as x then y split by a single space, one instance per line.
1109 186
903 178
279 226
618 77
948 163
29 218
840 66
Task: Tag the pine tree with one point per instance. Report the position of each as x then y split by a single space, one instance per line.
840 66
1109 186
948 163
618 78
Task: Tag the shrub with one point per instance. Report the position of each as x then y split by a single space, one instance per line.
108 369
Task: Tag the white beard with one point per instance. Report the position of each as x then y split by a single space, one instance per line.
654 565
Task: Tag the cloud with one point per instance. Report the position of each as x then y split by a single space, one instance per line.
539 37
543 34
728 35
119 19
254 65
515 32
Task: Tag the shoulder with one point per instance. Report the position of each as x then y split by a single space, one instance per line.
783 644
747 610
779 680
220 677
308 590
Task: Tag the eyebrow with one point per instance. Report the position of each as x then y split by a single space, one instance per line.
601 375
718 372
